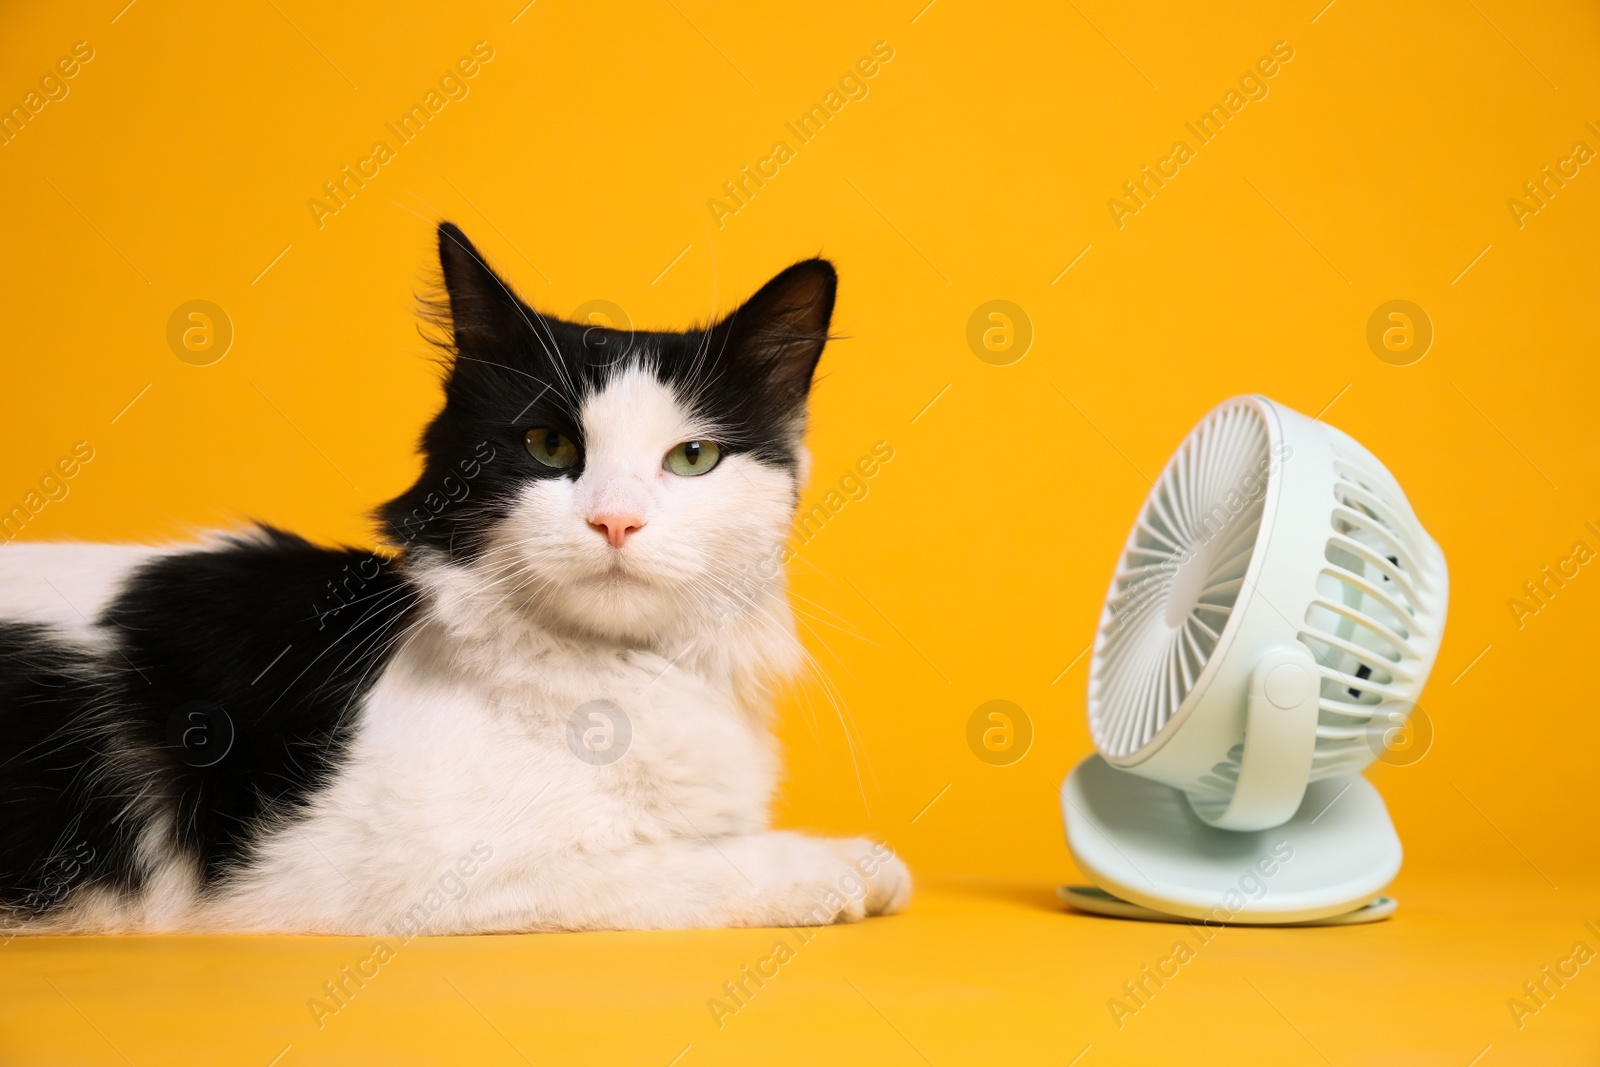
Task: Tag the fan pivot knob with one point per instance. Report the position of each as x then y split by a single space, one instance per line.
1287 685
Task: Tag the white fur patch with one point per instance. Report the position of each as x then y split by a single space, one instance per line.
66 584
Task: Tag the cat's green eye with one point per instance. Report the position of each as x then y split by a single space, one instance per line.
692 458
551 448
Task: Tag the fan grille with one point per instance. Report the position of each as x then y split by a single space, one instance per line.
1179 579
1375 622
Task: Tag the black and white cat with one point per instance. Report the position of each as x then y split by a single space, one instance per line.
544 706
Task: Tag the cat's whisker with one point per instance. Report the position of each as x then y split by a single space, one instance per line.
854 744
836 625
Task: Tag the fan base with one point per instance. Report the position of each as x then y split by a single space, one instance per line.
1141 842
1097 901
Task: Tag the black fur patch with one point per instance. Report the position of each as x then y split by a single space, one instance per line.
228 697
61 781
512 369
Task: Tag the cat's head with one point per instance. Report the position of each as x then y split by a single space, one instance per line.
621 482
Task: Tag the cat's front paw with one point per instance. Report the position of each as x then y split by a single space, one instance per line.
817 881
887 877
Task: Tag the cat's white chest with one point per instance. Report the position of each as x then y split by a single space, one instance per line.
565 750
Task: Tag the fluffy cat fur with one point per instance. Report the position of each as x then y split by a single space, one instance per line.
544 705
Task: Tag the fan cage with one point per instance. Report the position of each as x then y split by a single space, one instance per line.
1179 578
1373 625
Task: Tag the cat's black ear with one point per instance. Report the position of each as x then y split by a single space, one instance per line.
483 309
776 336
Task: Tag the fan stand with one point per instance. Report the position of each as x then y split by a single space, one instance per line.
1097 901
1152 857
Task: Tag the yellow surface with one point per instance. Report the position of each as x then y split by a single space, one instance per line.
976 973
1379 166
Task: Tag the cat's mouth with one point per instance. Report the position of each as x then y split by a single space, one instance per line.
616 571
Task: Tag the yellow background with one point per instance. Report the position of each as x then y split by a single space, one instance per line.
978 167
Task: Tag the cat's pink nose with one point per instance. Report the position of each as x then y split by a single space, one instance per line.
616 526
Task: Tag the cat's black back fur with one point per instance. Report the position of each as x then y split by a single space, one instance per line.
223 702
